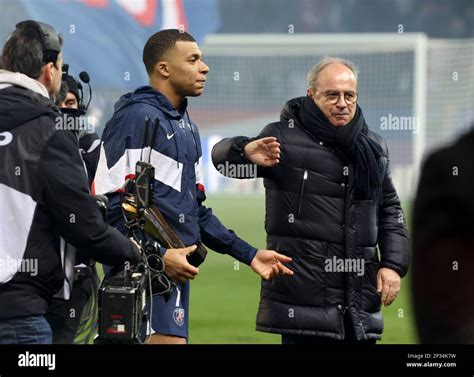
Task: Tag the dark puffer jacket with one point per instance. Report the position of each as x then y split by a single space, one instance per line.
312 216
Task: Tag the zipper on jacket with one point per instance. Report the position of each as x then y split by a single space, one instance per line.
194 136
175 133
300 200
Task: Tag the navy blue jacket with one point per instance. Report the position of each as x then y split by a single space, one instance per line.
177 159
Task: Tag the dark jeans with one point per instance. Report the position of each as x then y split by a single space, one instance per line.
64 316
25 330
350 337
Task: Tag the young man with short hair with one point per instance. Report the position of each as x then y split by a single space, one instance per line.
176 70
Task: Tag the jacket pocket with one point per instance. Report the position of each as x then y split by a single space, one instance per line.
370 298
300 198
307 287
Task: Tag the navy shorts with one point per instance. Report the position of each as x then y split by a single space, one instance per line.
170 317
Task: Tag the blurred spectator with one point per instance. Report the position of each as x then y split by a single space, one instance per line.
439 19
443 246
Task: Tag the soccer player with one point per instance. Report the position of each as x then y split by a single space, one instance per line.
176 70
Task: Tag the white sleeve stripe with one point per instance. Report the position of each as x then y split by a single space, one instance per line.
17 211
167 170
94 146
198 171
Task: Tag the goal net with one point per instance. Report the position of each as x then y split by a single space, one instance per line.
414 92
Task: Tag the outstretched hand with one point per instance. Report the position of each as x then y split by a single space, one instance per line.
268 264
263 152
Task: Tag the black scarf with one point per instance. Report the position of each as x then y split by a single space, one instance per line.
352 141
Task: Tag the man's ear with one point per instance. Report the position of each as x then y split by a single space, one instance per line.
46 76
309 92
162 69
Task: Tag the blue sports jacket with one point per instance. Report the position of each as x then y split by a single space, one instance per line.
177 158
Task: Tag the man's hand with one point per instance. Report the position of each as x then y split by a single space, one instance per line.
388 283
176 265
263 152
267 263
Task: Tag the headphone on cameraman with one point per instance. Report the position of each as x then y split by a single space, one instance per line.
49 39
51 49
84 76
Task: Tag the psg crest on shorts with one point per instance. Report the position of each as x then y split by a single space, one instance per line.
178 316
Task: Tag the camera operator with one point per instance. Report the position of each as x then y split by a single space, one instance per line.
70 97
43 189
75 320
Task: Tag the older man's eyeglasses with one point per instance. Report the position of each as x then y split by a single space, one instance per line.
333 97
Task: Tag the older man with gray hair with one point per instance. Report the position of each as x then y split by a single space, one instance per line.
331 205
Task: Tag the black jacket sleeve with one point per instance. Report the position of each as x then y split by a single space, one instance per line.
393 235
75 214
216 236
230 152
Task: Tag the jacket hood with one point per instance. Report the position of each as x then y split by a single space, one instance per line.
150 96
22 99
8 79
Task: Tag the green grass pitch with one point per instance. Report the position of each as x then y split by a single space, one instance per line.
224 296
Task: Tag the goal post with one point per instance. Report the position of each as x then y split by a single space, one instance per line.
252 76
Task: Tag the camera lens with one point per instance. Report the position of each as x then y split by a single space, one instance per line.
155 263
151 247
